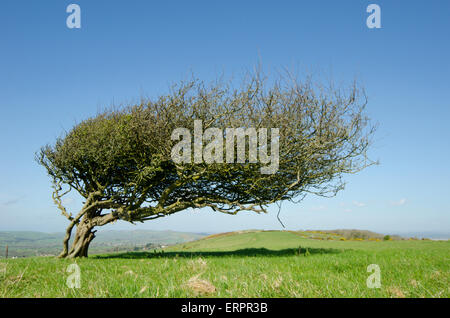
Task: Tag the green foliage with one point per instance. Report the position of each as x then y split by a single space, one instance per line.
123 156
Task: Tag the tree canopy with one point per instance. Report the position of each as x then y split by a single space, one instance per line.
121 160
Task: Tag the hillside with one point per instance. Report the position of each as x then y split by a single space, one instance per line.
23 244
277 240
355 234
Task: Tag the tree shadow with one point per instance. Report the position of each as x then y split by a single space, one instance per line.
247 252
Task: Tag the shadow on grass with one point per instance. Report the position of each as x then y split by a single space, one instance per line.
248 252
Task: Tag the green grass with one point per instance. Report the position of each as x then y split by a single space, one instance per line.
249 264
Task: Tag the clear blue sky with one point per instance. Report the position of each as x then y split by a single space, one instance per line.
51 77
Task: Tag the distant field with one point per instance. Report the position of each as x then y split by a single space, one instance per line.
27 243
247 264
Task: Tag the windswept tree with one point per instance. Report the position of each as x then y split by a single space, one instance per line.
122 161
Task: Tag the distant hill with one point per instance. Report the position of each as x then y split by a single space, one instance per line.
27 243
428 234
356 234
364 234
351 234
256 242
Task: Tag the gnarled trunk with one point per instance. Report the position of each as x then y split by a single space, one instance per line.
83 237
84 233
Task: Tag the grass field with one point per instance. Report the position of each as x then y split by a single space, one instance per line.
247 264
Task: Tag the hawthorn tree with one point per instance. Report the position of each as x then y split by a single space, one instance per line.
120 161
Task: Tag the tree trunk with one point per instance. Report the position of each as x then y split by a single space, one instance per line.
83 237
84 233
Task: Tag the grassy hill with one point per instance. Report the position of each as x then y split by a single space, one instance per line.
243 264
